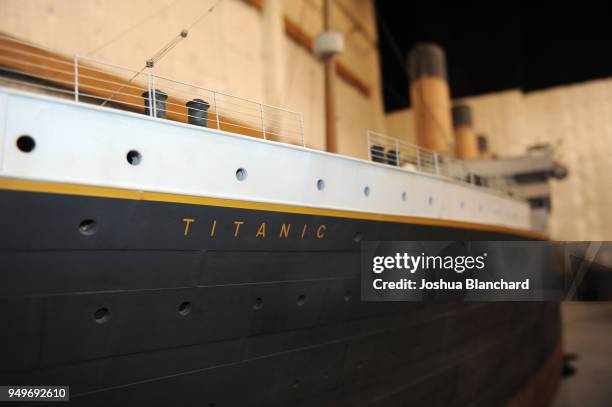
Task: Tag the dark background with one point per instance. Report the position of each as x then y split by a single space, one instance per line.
497 47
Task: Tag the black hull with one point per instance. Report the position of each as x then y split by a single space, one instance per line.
270 320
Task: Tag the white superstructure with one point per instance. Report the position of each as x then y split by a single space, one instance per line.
88 145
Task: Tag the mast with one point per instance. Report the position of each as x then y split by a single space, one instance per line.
331 139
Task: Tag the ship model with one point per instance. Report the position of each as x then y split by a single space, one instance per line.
165 244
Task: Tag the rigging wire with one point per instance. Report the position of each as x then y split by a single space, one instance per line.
126 31
398 55
132 28
393 44
150 63
210 10
181 36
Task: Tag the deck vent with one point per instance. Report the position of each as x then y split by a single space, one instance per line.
392 158
197 112
160 103
377 153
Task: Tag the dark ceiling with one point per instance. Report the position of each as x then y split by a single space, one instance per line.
494 49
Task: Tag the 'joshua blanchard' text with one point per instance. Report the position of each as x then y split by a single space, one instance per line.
470 284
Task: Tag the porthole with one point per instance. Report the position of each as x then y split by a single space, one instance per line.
430 200
462 204
301 300
185 308
348 295
296 384
404 196
133 157
357 237
241 174
25 143
102 315
320 185
88 227
366 191
258 304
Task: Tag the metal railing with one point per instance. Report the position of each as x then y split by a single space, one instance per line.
86 80
410 157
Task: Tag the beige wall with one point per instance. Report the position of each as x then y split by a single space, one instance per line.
578 120
237 49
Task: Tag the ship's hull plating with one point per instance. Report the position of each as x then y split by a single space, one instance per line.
202 305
